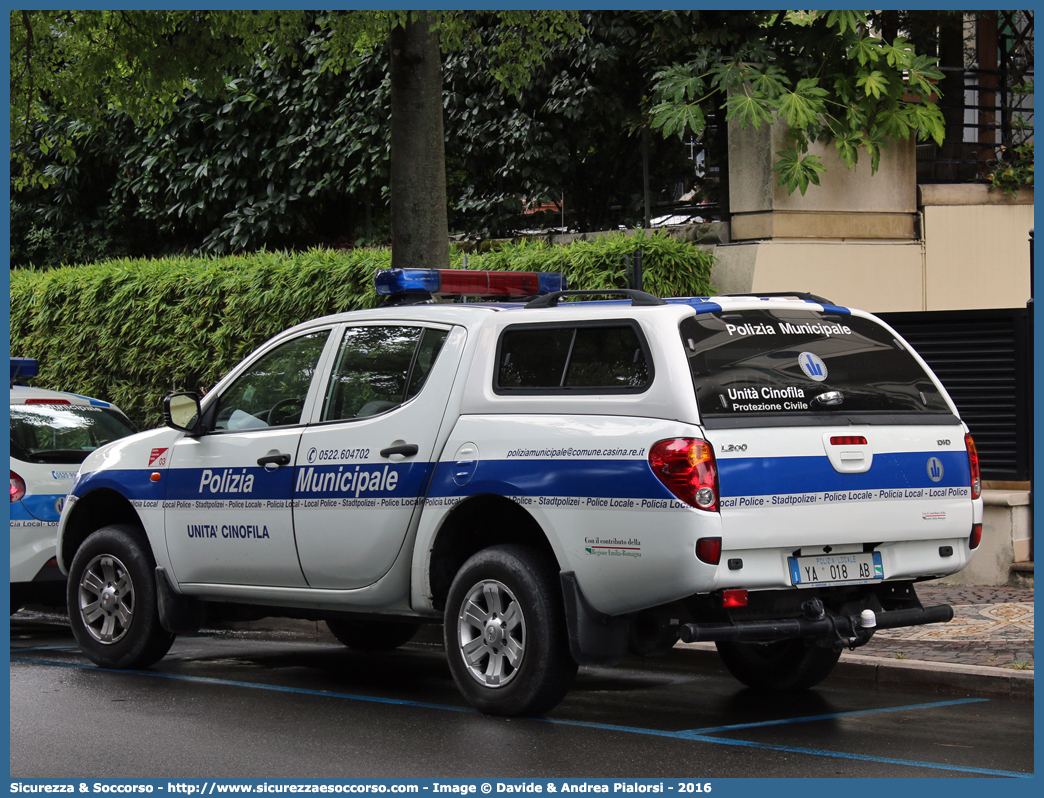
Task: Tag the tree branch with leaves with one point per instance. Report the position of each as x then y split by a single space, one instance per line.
826 75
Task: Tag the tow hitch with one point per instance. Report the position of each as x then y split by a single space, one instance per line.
816 624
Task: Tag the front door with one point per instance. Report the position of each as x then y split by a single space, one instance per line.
228 512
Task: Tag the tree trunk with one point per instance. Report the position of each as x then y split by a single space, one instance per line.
419 228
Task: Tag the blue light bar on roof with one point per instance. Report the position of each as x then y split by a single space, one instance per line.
461 282
24 367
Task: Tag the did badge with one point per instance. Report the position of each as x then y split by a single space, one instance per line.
813 366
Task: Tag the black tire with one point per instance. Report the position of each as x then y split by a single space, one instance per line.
505 633
112 600
783 665
373 635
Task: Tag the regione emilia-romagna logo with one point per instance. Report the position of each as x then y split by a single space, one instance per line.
157 458
813 366
935 469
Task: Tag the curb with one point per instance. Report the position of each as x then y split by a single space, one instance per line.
891 672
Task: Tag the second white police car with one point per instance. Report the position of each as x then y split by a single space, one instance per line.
555 482
51 434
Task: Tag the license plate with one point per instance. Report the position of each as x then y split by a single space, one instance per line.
836 569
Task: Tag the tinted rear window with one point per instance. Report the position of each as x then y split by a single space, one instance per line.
63 433
799 362
578 358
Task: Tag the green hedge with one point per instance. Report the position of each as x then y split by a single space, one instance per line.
133 330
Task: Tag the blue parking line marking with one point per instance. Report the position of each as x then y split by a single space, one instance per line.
833 715
863 757
695 735
71 647
254 685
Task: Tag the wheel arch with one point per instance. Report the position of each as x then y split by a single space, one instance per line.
92 511
477 523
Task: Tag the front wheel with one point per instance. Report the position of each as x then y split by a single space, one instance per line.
505 633
112 600
782 665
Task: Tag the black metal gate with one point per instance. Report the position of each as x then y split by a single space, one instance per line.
983 357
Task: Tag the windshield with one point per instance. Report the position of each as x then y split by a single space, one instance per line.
797 363
63 433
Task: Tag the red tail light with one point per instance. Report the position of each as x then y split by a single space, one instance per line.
47 402
17 487
848 440
976 536
686 467
973 461
709 550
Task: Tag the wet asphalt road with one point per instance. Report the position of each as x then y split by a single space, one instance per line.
252 705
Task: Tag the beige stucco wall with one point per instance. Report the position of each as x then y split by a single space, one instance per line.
753 186
976 250
848 203
1006 527
878 277
974 254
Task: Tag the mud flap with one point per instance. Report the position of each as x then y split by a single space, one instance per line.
594 638
177 613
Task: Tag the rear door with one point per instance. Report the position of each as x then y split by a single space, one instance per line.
367 461
827 432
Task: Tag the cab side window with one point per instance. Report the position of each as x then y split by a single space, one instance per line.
378 368
272 391
579 358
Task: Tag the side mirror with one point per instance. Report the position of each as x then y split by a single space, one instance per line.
182 412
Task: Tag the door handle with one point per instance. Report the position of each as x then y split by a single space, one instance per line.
273 461
405 449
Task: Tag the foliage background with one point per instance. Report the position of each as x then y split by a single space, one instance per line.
293 152
131 331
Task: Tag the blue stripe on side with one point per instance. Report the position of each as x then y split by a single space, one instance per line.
358 480
132 483
40 506
193 483
95 402
837 309
320 482
20 513
625 479
763 476
697 303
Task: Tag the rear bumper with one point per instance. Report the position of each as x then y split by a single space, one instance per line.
841 628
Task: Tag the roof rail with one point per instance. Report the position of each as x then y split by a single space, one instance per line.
636 297
783 294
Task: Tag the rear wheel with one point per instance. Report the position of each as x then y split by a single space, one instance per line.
112 600
505 633
373 635
782 665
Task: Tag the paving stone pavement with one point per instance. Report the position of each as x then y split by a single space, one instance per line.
992 626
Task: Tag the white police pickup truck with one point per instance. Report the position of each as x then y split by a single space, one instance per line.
556 482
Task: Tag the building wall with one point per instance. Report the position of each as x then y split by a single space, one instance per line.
878 277
976 247
848 203
974 254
